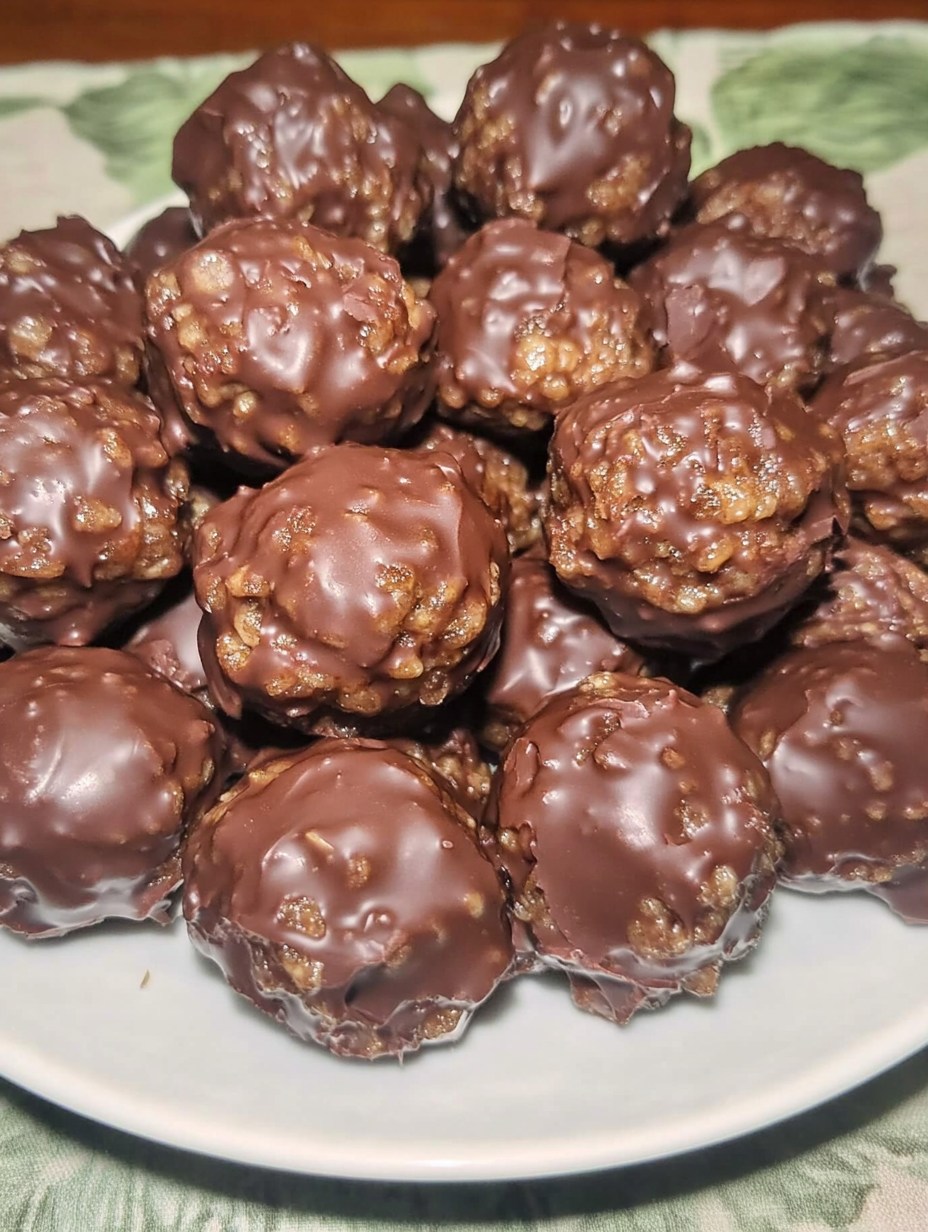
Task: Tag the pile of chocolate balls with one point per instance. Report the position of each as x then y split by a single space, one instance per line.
454 551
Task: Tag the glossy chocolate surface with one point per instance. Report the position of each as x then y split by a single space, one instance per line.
292 135
442 230
551 641
871 594
868 324
277 337
452 754
723 299
160 240
167 642
495 473
90 509
790 194
693 511
880 408
527 321
362 580
572 126
68 306
638 836
104 766
843 729
342 891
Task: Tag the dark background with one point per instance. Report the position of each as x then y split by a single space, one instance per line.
117 29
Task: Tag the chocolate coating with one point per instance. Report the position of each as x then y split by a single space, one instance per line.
442 230
638 837
342 892
527 321
551 641
164 635
68 306
181 437
104 766
167 643
869 594
880 408
90 509
160 240
693 511
786 193
495 474
277 337
842 729
878 279
293 136
722 299
872 594
364 580
452 755
868 324
572 126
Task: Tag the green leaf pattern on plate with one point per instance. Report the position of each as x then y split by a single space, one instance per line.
863 106
15 103
133 123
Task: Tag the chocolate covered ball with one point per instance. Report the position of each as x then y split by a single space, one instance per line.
164 635
551 640
167 642
786 193
91 509
292 136
453 755
694 511
880 409
363 581
842 729
105 764
498 477
871 594
868 324
721 299
68 306
341 890
277 337
572 126
637 833
442 230
160 240
527 321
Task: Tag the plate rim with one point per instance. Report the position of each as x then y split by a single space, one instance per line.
523 1159
463 1159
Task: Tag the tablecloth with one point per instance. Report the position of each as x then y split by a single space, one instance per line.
95 140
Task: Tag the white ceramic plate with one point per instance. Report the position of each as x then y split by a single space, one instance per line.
126 1024
835 992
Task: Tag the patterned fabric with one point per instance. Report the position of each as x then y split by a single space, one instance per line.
96 140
